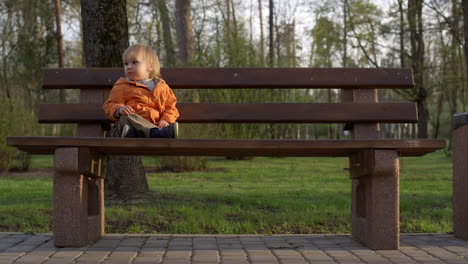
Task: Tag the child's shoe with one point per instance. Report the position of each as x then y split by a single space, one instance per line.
171 131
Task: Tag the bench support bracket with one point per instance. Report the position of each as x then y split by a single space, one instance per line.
78 197
375 198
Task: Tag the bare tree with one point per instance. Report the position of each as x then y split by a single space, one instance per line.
359 38
184 30
262 35
271 53
345 33
59 39
415 21
105 38
465 24
402 34
167 36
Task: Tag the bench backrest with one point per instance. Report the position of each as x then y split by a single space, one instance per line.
359 96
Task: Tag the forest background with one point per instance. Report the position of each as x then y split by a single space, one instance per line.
426 36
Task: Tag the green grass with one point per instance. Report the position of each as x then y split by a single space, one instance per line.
42 161
263 195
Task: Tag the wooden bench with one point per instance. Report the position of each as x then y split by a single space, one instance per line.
374 162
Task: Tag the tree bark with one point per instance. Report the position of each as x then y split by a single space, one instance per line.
59 36
417 63
402 34
453 58
167 36
186 47
465 24
440 107
465 31
229 35
277 43
234 21
105 38
105 32
262 35
345 34
271 56
443 89
186 44
184 31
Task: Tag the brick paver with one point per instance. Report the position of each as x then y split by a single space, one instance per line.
231 249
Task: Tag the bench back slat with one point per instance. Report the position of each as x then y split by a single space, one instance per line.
257 78
252 113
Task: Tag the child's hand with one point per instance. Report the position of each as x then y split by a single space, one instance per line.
126 110
162 124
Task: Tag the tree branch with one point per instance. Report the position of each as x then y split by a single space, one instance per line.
353 29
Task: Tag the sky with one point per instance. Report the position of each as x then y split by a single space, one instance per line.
303 17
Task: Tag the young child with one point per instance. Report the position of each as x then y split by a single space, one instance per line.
142 104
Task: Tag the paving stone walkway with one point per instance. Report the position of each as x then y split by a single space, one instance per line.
225 249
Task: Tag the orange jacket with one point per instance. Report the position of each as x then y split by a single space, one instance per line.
153 106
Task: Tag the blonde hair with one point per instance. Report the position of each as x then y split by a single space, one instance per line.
148 54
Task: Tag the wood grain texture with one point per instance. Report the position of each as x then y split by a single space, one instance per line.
251 113
258 78
224 147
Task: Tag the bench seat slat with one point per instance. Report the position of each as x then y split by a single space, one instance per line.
224 147
252 113
220 78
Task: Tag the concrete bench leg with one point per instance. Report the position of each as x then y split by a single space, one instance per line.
375 198
78 198
460 177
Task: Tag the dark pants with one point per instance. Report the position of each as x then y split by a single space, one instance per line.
132 125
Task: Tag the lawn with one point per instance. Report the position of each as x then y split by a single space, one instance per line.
263 195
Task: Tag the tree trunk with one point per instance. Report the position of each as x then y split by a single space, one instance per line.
331 127
251 45
105 32
402 34
292 45
262 36
105 38
271 56
454 62
185 40
423 114
186 47
59 34
229 35
167 36
278 44
417 63
345 34
59 44
58 127
444 91
440 107
184 31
